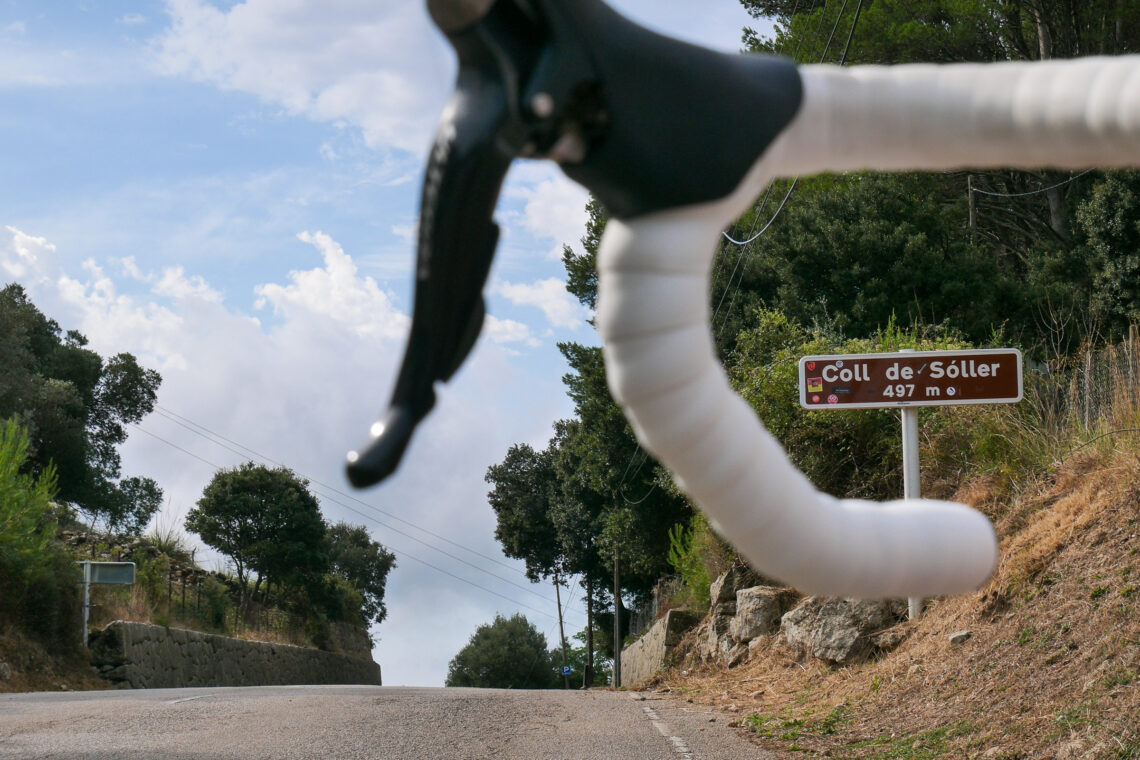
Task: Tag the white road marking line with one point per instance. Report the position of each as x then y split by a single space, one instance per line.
662 727
188 699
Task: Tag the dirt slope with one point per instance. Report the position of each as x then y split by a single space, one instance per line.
1050 669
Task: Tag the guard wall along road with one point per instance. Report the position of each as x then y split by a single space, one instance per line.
916 378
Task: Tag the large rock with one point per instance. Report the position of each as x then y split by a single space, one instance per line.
715 641
758 612
723 589
839 631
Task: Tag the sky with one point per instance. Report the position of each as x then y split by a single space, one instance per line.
229 190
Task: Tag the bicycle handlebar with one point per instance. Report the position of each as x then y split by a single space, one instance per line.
677 141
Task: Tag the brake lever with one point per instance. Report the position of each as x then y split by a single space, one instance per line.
564 81
472 152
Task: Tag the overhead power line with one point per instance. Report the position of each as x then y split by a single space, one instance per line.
1033 192
169 413
399 552
322 488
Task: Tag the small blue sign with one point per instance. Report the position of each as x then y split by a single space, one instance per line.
567 670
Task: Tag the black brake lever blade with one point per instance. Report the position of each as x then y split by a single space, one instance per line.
457 240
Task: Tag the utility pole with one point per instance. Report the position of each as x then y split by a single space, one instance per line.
973 209
588 671
617 621
561 629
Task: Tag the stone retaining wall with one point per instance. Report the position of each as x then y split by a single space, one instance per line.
145 656
642 659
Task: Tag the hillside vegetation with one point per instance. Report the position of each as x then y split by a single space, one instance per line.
63 412
1050 667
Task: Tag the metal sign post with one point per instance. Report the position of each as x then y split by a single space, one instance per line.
107 573
907 380
912 478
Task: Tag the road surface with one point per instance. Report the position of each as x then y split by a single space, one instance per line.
347 722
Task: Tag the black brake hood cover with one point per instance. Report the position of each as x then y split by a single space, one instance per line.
685 123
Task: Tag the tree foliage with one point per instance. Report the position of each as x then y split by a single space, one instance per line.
525 498
853 454
508 653
76 406
946 31
1028 246
266 522
364 564
269 525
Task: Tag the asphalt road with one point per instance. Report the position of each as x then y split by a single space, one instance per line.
388 723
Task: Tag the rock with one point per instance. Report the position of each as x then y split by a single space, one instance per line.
889 639
758 611
5 671
960 637
724 588
714 641
758 643
838 631
736 655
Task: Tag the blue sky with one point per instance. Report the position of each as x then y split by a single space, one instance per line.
229 191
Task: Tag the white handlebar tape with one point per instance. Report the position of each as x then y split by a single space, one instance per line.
1063 114
653 311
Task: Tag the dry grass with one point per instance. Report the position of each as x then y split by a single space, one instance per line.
1052 669
33 668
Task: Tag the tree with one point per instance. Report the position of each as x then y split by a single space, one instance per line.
524 498
612 470
1108 224
266 522
1026 231
509 653
75 407
365 564
578 660
859 251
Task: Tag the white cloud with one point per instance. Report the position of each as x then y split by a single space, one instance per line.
22 255
176 285
336 292
17 28
131 19
406 232
550 295
509 331
379 66
131 269
556 209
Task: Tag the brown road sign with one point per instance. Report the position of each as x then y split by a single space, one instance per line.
919 378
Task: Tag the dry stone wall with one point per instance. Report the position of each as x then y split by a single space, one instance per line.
642 659
144 656
745 617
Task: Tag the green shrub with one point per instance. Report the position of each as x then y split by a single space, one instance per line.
698 555
38 588
855 453
216 606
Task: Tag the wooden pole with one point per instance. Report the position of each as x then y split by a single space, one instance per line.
561 630
617 622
